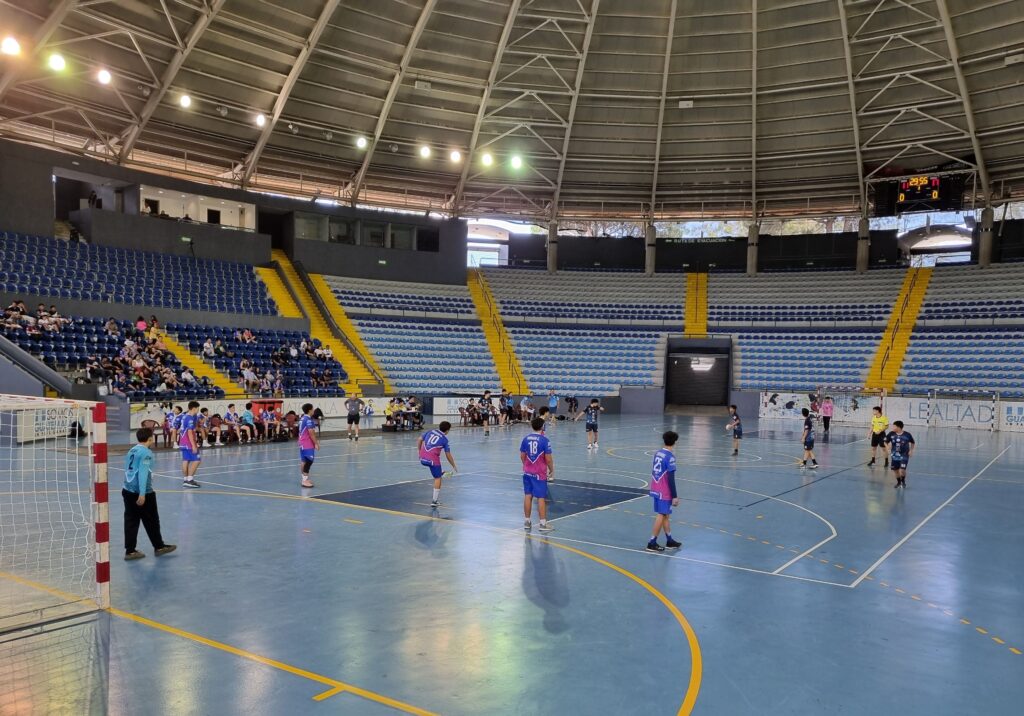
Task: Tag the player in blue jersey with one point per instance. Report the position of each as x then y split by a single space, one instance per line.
552 406
538 471
431 444
901 444
663 491
593 412
188 442
174 423
736 425
807 438
140 498
309 443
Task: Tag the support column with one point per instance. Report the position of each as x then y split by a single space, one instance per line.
650 249
863 245
752 250
985 239
552 246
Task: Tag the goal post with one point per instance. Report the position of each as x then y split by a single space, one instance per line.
54 514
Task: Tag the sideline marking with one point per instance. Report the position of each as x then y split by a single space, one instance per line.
337 687
925 521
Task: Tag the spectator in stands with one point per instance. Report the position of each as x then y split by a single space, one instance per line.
265 387
277 358
318 353
208 350
220 349
293 352
141 325
154 329
94 370
315 378
328 353
112 328
249 380
187 377
328 377
278 385
248 337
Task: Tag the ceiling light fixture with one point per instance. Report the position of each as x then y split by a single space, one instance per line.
260 119
56 62
516 161
425 151
487 159
455 156
10 46
104 77
185 101
361 142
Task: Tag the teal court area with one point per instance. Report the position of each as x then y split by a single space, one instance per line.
795 592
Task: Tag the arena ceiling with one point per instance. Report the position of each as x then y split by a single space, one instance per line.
631 108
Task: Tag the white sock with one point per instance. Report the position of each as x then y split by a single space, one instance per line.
437 494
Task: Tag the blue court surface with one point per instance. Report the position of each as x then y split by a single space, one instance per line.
795 592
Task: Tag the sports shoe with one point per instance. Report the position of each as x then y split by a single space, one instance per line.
654 547
356 438
218 444
596 446
134 554
307 483
872 463
190 483
435 503
735 452
673 544
350 436
546 527
166 549
589 446
527 525
887 462
813 466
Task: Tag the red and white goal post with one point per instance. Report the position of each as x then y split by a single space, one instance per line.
54 515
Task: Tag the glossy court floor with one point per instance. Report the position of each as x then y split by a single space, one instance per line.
795 592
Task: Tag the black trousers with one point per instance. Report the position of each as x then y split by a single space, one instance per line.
826 420
147 514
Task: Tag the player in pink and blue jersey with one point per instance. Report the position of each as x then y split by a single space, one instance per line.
309 443
538 470
663 490
188 443
432 443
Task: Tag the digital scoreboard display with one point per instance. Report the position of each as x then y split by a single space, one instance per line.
919 190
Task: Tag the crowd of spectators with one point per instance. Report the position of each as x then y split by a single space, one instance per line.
254 424
18 317
269 381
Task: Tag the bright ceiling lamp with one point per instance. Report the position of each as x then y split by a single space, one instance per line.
10 46
361 142
185 101
516 161
56 62
260 119
455 156
104 77
425 151
487 159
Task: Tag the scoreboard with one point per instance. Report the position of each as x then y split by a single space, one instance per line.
920 189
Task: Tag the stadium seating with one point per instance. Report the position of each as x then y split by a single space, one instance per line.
594 296
41 266
296 375
803 360
361 296
803 298
959 294
431 357
964 359
69 350
583 362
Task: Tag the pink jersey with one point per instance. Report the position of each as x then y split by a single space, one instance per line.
826 409
306 428
434 441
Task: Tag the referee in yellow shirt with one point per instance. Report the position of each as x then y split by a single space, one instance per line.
879 429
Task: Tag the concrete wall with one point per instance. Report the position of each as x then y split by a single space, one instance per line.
127 311
642 401
108 228
26 190
445 266
15 381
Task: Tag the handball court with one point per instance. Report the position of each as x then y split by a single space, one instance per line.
795 592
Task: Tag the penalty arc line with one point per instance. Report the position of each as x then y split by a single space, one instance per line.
925 521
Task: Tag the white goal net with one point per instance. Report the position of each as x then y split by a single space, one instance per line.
48 546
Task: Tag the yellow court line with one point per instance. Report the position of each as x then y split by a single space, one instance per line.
696 662
337 687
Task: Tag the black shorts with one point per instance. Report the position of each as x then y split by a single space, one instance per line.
809 444
591 427
353 418
877 440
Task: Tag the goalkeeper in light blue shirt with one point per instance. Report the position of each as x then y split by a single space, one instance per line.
140 498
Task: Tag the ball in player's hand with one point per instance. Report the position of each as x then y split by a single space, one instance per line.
728 427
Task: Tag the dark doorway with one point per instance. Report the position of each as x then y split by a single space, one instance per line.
694 378
213 216
272 223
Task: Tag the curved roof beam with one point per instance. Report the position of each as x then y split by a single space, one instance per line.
206 17
513 10
584 51
289 84
844 22
48 27
389 101
961 83
661 104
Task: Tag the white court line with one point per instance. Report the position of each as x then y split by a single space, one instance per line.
923 522
592 509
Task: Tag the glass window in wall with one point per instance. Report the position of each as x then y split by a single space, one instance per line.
403 237
342 231
373 234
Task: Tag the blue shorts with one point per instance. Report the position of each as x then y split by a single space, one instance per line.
896 463
435 470
738 433
809 444
534 486
307 454
662 507
189 455
591 427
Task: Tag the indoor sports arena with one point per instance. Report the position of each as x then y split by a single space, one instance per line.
511 357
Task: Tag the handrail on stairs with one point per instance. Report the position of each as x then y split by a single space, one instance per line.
898 324
336 331
514 370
